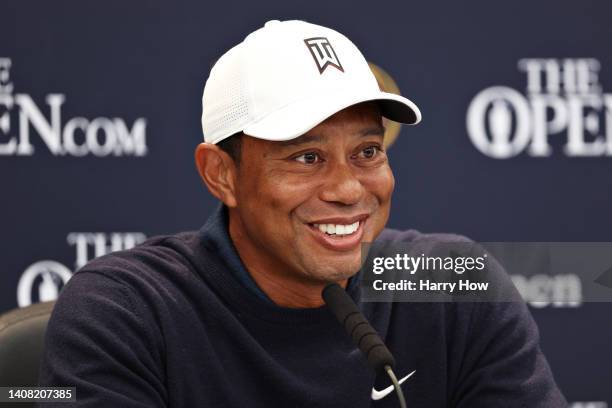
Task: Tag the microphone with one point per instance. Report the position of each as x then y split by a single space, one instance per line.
358 328
363 334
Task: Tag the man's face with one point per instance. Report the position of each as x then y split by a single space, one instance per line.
305 206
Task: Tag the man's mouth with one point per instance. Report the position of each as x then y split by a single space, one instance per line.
338 229
339 234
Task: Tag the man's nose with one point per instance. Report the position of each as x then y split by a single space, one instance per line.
342 186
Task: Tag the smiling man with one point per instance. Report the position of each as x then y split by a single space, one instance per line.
300 209
232 315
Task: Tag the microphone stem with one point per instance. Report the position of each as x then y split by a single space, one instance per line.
396 385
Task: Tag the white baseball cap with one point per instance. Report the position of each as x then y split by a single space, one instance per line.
287 77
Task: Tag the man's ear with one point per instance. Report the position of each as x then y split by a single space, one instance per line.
218 171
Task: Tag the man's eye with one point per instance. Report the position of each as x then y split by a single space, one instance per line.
369 152
308 158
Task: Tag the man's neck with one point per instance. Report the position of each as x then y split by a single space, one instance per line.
287 293
283 288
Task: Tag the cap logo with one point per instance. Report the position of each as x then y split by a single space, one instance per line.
323 53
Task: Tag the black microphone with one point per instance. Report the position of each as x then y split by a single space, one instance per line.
358 328
363 334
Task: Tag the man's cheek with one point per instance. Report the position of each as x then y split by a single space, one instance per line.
392 177
277 204
389 179
381 184
286 196
385 187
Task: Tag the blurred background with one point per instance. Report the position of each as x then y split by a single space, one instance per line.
100 106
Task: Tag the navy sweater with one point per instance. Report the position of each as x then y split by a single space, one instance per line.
177 322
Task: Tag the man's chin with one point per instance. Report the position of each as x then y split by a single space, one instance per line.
334 273
328 265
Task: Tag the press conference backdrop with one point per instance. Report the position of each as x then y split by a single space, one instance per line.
100 113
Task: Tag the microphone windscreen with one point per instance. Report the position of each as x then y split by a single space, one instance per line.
357 327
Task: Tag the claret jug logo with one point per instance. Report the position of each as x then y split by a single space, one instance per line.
76 136
563 98
43 280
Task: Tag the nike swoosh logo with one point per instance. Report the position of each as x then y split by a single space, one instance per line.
376 395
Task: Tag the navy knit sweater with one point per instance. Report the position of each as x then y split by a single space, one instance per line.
177 322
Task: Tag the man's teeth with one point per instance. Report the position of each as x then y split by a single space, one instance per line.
338 229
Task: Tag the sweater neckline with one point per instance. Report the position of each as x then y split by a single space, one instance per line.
219 263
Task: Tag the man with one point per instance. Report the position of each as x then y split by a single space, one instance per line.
232 315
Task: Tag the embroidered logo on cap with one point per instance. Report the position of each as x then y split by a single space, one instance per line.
323 53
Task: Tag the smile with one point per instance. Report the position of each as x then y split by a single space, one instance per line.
339 234
338 229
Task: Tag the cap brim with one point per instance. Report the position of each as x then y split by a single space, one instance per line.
299 117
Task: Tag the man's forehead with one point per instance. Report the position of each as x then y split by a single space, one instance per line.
358 120
319 136
365 111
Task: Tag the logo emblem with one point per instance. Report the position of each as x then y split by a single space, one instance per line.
376 395
44 280
561 97
323 53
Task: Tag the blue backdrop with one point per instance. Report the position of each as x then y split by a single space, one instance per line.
100 114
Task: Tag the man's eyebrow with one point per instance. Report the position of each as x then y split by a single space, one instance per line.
302 140
375 130
298 141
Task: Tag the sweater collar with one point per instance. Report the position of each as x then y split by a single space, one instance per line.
215 233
